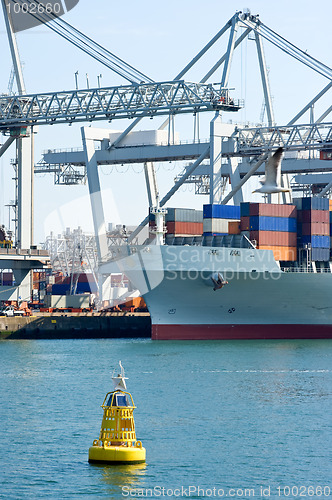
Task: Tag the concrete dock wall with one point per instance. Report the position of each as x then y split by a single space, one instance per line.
72 326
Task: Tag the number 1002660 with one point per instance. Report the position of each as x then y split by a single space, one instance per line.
303 491
35 8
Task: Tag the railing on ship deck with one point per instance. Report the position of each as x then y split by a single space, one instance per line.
305 270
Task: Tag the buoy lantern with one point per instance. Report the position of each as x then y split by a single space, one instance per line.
117 443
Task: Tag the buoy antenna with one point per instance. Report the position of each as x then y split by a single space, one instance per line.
119 381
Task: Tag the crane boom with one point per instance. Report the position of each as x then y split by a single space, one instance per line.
127 101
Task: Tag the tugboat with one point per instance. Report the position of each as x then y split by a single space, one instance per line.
117 443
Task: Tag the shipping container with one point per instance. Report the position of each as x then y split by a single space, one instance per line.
281 253
234 227
179 228
245 223
263 223
315 203
325 154
320 254
60 289
6 278
87 287
274 238
244 209
66 301
272 210
221 212
330 204
180 215
184 215
316 241
313 216
216 225
318 228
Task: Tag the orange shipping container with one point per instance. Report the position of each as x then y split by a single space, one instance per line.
234 227
136 302
330 205
281 253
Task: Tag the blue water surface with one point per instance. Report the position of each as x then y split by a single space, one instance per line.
217 418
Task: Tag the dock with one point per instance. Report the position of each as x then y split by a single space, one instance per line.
76 326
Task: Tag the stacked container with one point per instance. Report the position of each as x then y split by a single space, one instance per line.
85 283
272 227
220 220
6 278
314 226
182 221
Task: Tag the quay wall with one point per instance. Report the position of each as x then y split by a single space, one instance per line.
76 326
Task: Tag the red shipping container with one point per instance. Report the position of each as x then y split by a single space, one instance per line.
325 154
245 224
318 228
272 210
179 228
313 216
274 238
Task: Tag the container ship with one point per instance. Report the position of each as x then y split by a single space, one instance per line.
254 271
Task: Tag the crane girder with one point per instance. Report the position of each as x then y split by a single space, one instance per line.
291 137
127 101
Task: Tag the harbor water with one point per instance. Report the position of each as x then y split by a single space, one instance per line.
218 419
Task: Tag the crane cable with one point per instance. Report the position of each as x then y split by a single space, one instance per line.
289 47
86 44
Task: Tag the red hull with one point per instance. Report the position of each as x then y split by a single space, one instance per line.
240 332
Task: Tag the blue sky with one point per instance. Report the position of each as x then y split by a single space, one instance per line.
158 38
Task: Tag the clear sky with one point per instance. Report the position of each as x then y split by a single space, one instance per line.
158 38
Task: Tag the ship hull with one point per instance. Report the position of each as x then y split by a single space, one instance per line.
240 332
259 300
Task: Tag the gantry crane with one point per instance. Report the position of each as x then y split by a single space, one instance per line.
143 97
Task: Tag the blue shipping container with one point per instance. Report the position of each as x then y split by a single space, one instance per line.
245 209
321 254
221 212
315 203
265 223
316 241
86 288
60 289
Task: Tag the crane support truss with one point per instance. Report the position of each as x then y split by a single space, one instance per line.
291 137
127 101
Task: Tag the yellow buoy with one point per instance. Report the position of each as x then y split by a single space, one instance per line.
117 443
